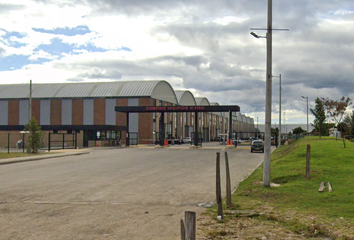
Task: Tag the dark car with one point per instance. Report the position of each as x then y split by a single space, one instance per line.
218 139
257 145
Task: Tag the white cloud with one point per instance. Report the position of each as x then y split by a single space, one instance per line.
205 47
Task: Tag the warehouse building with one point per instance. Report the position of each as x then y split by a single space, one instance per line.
88 111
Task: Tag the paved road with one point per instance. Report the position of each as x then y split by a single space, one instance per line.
128 193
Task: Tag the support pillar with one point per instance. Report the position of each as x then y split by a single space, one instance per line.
196 129
162 128
127 132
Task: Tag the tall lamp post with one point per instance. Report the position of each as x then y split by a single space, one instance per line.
307 100
279 142
268 103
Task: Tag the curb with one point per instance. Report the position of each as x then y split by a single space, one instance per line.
37 158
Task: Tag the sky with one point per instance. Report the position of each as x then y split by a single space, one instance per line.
201 46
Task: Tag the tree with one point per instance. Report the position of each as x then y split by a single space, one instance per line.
343 128
349 120
35 136
336 109
298 130
320 117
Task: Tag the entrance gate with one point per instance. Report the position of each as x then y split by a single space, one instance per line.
134 138
62 141
163 109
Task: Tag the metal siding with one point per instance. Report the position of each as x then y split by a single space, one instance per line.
110 113
202 101
23 112
88 112
44 118
4 112
133 117
78 90
66 111
45 90
107 89
179 95
71 90
14 91
138 88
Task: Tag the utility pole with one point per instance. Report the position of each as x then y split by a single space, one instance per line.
268 106
279 143
30 103
268 102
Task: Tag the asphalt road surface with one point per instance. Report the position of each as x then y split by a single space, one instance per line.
127 193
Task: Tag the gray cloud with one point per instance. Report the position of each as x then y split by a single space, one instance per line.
315 57
6 8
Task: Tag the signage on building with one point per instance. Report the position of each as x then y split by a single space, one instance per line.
223 108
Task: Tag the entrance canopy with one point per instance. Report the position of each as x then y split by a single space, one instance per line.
221 108
163 109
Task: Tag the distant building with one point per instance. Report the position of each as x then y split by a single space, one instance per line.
88 111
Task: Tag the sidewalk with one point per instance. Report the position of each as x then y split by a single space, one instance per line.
53 154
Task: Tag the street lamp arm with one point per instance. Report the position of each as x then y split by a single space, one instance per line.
256 36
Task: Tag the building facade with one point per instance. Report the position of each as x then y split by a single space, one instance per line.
88 111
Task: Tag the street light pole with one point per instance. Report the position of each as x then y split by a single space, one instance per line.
268 102
30 103
268 105
307 101
279 143
279 137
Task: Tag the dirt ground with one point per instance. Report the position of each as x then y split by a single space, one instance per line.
272 224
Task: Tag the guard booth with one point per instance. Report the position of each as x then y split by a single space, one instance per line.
163 109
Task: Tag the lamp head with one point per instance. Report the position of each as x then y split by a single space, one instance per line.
254 35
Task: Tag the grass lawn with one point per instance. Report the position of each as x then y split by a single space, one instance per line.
296 204
4 155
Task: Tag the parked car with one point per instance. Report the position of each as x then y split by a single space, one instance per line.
217 139
187 140
238 141
257 145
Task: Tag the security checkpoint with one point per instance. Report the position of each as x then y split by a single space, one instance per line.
164 109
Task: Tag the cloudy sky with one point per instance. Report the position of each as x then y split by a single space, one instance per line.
203 46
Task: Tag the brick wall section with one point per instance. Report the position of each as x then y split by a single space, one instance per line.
36 109
55 112
77 111
14 109
121 118
145 122
99 111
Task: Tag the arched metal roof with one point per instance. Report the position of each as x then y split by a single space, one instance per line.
185 98
159 89
214 104
202 101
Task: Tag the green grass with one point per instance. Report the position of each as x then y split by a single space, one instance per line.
329 162
4 155
296 204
